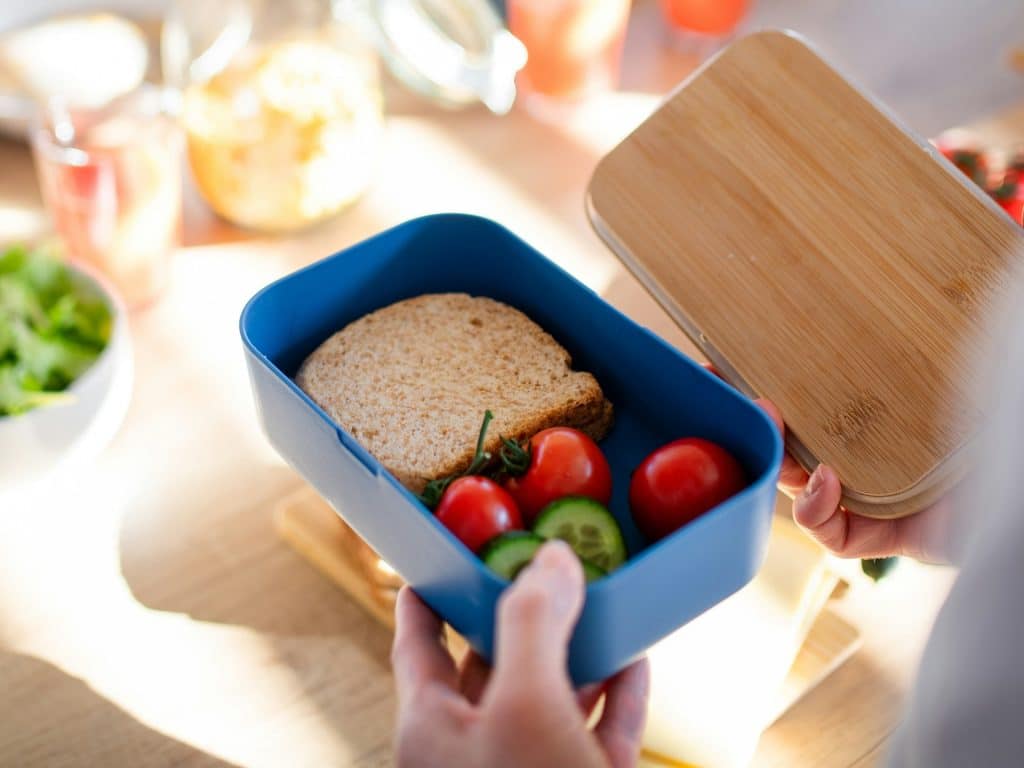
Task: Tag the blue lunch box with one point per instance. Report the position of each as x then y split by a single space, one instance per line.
658 393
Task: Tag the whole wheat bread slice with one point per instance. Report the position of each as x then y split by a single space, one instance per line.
411 382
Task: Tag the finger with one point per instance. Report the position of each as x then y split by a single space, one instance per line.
625 711
474 673
418 654
868 537
792 477
588 696
844 533
710 368
817 511
923 536
536 616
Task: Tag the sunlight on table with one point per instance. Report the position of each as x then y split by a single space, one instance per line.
22 222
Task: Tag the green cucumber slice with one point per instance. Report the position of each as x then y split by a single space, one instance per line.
510 552
587 526
592 572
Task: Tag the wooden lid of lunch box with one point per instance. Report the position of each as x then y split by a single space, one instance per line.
821 257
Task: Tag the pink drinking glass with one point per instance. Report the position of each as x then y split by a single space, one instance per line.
111 179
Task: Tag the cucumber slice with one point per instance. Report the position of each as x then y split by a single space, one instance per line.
510 552
592 572
587 526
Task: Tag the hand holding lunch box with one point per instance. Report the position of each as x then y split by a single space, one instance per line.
659 395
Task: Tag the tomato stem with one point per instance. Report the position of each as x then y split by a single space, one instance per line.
434 490
481 458
515 457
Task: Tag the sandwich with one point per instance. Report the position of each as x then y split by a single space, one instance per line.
412 381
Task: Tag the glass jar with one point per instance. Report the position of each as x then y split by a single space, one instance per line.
111 179
575 46
281 105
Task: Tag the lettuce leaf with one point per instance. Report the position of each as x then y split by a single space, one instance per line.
50 333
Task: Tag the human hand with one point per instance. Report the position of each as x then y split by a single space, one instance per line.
926 535
524 711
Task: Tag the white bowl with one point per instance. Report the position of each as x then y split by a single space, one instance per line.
37 443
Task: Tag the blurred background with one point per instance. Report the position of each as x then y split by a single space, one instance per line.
163 160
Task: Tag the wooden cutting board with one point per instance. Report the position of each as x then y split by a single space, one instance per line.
821 257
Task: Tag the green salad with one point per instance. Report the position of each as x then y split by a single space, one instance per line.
50 330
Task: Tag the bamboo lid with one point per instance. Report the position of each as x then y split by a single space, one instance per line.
822 257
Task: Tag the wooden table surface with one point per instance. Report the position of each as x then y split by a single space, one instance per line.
149 616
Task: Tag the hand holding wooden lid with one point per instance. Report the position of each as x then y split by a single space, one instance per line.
822 258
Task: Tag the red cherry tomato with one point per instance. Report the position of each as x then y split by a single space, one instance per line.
1010 195
679 482
1015 168
962 153
563 462
1014 207
476 510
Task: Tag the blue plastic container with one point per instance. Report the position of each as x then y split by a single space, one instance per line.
658 394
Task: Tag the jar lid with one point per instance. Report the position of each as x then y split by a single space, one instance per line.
455 52
821 257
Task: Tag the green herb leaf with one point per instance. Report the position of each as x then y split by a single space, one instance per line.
515 457
50 331
878 567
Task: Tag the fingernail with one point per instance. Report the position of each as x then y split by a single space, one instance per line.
816 481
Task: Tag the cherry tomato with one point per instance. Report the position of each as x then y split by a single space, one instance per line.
476 510
563 462
1015 168
1015 207
1010 195
971 161
679 482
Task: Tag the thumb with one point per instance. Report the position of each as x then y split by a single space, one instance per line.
817 511
536 616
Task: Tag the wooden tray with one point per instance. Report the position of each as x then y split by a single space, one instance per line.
821 257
